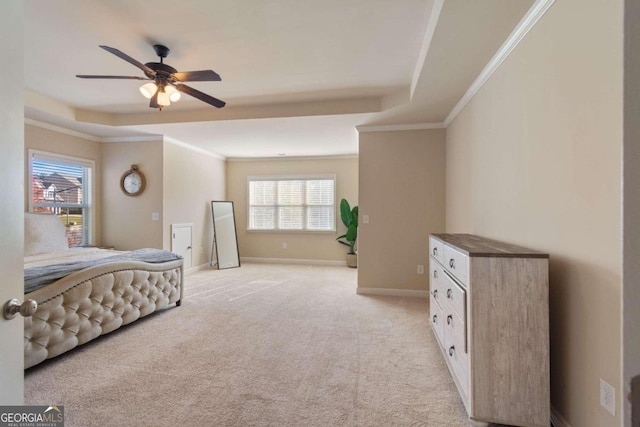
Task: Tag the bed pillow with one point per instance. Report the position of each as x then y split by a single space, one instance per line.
43 233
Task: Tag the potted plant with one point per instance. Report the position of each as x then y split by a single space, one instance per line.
350 220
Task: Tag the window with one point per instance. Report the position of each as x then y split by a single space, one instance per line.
301 203
61 186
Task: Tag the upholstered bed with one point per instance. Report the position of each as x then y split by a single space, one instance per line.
100 290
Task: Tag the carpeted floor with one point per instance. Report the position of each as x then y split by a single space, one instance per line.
260 345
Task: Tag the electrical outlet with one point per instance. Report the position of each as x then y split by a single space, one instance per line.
365 219
284 245
421 269
608 397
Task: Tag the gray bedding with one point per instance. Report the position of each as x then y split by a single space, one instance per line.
37 277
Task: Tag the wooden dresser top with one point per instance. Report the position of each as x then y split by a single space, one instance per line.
476 246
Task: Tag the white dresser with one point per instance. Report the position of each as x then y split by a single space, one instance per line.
489 310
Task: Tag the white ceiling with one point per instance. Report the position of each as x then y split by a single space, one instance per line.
297 76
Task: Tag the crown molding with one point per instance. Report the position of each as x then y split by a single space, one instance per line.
393 128
60 129
192 148
529 20
291 158
434 16
141 138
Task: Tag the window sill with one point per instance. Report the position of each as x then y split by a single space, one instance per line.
292 231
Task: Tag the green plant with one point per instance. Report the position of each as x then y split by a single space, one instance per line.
350 220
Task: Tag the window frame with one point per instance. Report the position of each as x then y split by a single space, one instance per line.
305 177
88 226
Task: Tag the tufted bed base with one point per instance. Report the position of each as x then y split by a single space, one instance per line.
95 301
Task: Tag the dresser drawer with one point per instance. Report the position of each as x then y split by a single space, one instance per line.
457 264
457 358
456 328
454 296
436 318
436 249
436 274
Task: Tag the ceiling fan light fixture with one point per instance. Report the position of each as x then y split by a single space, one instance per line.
165 82
174 95
163 99
148 90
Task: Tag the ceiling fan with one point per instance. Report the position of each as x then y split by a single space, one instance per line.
166 82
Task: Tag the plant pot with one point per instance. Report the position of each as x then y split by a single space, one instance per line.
352 260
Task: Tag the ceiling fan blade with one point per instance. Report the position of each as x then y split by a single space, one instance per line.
129 59
197 76
153 102
201 95
85 76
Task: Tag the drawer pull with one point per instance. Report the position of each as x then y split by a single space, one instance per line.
449 319
435 274
435 293
452 263
435 251
452 350
449 293
435 318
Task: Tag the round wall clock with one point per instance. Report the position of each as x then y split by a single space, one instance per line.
132 182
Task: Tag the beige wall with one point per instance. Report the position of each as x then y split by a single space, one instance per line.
314 246
402 189
126 221
535 159
37 138
191 181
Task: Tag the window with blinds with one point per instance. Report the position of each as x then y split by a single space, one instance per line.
61 186
301 203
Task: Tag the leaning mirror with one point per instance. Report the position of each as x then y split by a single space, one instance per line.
225 240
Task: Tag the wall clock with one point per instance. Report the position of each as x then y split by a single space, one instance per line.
132 182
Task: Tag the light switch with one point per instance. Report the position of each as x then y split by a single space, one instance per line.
155 216
365 219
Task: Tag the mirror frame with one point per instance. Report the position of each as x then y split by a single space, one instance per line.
215 238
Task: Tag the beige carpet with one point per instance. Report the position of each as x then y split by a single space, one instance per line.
261 345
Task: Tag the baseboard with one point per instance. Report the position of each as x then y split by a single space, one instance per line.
557 420
192 270
393 292
293 261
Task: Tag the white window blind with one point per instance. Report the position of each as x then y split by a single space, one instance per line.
292 203
61 186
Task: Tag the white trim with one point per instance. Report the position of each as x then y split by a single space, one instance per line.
188 271
426 43
140 138
529 20
78 134
296 177
393 128
557 420
293 158
60 129
192 147
60 158
392 292
293 261
182 224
